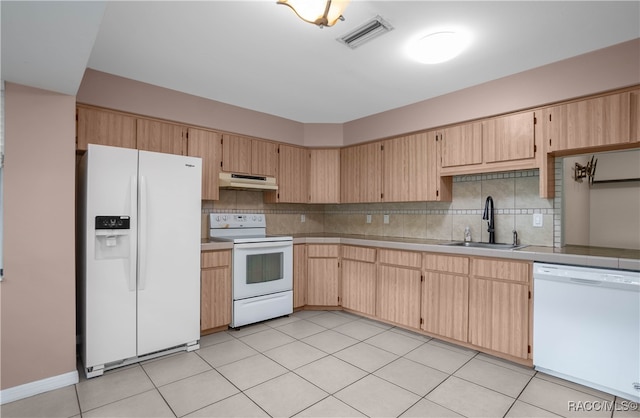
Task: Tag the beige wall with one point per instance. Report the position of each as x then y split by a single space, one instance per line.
38 293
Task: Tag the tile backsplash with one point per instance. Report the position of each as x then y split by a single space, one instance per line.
515 195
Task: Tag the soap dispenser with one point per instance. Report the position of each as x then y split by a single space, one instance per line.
467 234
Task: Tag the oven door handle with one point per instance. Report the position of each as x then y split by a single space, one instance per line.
272 244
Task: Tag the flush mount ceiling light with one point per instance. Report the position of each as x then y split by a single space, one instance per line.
318 12
438 46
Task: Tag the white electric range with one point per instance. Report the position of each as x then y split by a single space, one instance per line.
262 272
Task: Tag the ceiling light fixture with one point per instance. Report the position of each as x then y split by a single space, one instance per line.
318 12
440 46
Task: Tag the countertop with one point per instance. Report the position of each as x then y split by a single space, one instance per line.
571 254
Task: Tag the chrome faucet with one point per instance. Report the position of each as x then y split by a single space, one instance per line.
488 216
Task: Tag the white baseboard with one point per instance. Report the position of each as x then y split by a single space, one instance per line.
39 386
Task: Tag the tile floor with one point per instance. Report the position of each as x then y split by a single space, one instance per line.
322 364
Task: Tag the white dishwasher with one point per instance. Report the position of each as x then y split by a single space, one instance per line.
586 326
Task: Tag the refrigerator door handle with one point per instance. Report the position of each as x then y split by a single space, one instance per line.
132 248
142 226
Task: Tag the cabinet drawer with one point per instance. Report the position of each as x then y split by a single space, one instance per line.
322 251
408 259
446 263
209 259
359 253
492 268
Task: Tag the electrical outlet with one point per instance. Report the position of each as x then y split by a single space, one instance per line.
368 219
537 220
386 219
303 218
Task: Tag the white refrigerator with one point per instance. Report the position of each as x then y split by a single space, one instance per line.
139 272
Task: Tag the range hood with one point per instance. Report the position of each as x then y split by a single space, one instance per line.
247 182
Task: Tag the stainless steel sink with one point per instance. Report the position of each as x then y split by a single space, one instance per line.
483 245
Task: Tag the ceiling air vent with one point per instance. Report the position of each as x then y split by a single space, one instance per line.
364 33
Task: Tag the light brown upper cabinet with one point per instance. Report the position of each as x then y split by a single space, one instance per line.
508 138
244 155
161 137
360 173
293 176
102 127
461 145
206 145
596 122
324 175
406 169
635 116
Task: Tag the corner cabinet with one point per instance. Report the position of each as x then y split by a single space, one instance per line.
215 290
324 175
323 275
499 308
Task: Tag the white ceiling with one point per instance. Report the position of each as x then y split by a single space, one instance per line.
259 55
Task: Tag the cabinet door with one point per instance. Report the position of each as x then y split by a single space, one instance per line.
105 128
398 295
264 158
324 176
462 145
589 123
299 275
322 282
508 138
499 316
161 137
438 188
359 286
215 298
293 176
361 173
236 154
206 145
635 116
445 302
406 169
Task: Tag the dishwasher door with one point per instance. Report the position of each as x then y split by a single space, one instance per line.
586 327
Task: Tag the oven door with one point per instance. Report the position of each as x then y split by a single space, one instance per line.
262 268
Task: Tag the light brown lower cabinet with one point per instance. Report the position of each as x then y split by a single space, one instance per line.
499 306
323 275
398 295
445 305
299 275
359 279
445 296
215 290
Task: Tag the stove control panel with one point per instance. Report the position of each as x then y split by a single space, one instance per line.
236 221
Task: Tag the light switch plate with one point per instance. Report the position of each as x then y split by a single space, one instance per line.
537 220
368 219
303 218
386 219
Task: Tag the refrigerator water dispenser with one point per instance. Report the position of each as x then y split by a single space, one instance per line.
112 237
